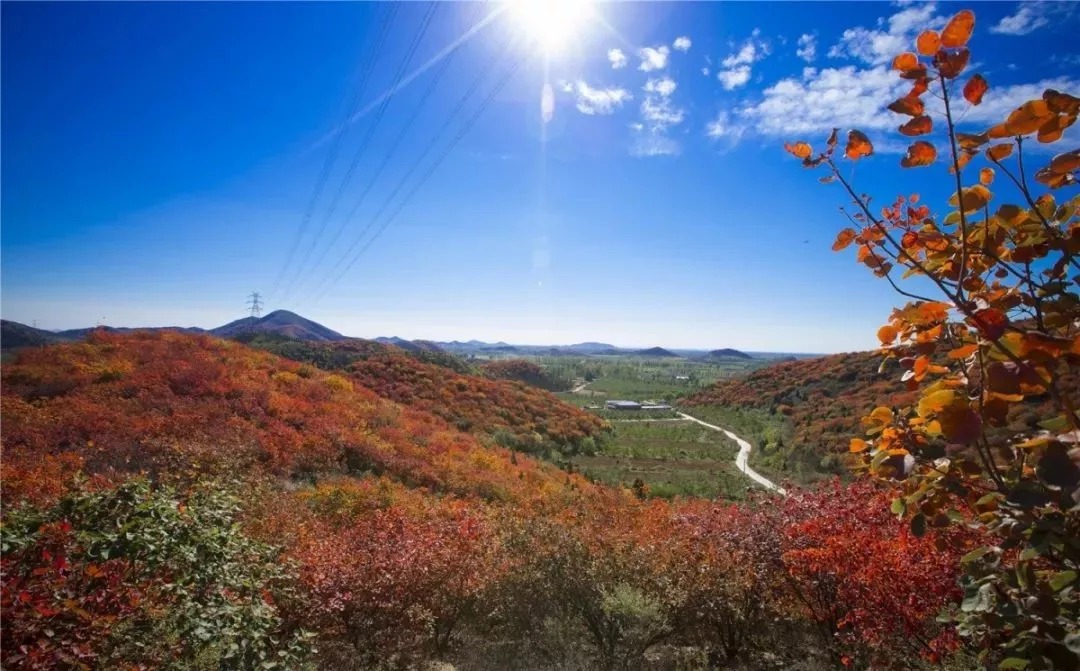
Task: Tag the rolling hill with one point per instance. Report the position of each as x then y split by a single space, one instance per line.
726 354
656 352
14 335
511 413
167 402
803 413
278 322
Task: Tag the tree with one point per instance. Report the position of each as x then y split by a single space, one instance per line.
999 333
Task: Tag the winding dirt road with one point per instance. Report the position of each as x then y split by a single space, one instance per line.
743 456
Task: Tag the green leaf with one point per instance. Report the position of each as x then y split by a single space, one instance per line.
1062 580
898 507
1013 663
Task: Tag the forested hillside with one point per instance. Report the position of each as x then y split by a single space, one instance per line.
516 415
172 498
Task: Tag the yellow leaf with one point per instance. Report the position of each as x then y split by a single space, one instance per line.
972 198
934 402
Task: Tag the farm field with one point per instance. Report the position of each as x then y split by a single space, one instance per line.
672 457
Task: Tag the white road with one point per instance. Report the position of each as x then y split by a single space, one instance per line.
742 457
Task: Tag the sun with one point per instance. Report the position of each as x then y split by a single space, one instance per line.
551 24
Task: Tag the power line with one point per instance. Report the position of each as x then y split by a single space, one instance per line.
469 92
365 71
402 67
430 171
402 133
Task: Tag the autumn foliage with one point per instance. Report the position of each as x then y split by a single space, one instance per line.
998 330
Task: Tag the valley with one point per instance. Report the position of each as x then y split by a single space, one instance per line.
434 336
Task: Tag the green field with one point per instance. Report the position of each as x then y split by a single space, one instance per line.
672 457
638 378
768 433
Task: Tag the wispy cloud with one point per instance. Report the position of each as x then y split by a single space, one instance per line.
893 36
664 86
1029 17
659 113
617 58
653 58
807 47
598 100
682 43
736 68
722 126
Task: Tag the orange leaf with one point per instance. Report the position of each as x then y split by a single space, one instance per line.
910 239
991 322
843 239
887 334
1027 118
920 125
799 149
919 154
963 352
971 198
858 145
905 62
986 176
975 88
951 64
909 105
969 141
858 445
999 151
958 30
920 87
928 42
1061 103
1052 130
922 364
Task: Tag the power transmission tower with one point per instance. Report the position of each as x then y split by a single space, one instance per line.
255 304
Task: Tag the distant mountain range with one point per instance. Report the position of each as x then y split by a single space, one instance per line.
291 325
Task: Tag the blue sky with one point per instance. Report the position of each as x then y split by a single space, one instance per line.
159 158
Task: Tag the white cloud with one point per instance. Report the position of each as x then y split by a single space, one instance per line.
1029 17
599 100
653 58
705 71
821 100
617 58
682 43
660 113
734 78
893 36
745 56
665 86
852 97
737 66
646 143
723 127
807 47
